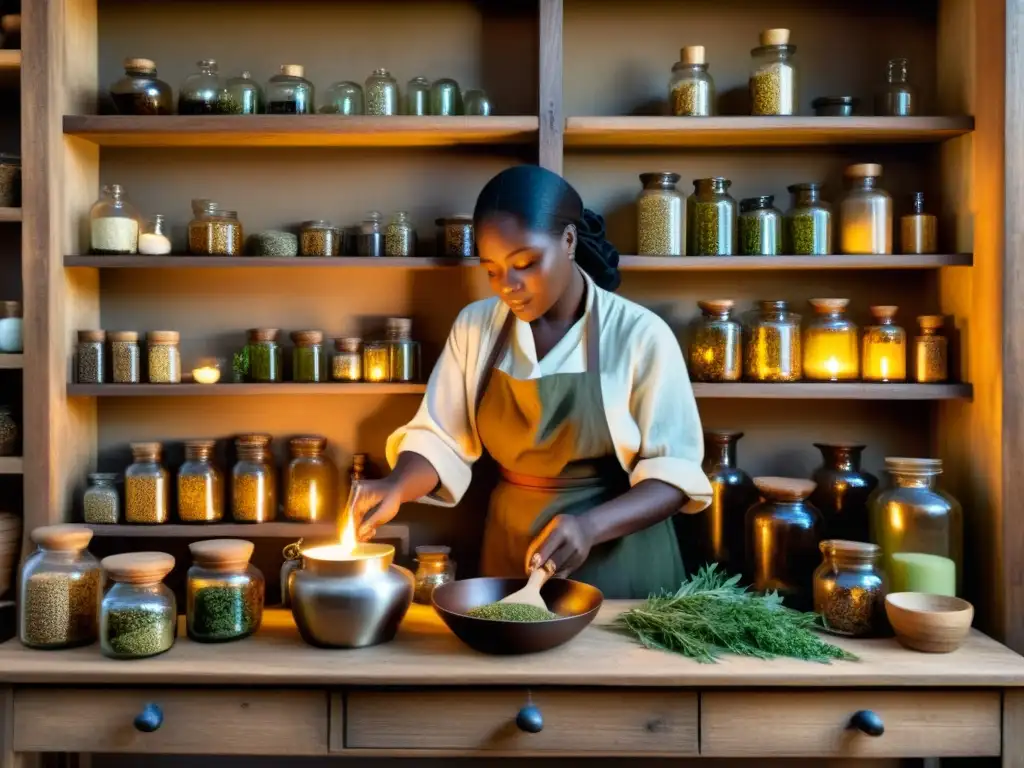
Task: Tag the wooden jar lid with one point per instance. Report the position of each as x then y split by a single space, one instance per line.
693 54
308 443
717 306
146 65
864 170
64 538
884 311
859 550
721 435
222 554
146 449
264 334
130 336
775 37
293 70
138 567
92 337
307 338
931 322
201 444
253 438
829 305
785 488
163 337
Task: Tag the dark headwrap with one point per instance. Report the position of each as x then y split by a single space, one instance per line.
543 201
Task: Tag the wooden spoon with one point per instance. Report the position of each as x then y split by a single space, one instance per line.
530 594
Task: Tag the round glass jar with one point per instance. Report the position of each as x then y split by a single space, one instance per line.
865 214
660 217
445 98
417 97
243 96
884 347
59 589
433 569
376 361
773 86
343 98
476 102
101 504
140 92
202 93
711 218
9 432
849 588
400 237
90 362
371 235
113 224
164 357
308 357
403 352
224 592
760 226
125 357
154 239
290 93
715 351
808 226
310 481
691 90
138 616
200 485
381 93
253 481
831 343
319 238
772 351
265 363
347 361
146 486
455 237
11 327
897 98
931 358
215 232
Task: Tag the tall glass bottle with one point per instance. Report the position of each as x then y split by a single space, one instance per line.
711 218
721 527
842 490
691 90
865 215
659 215
897 98
290 93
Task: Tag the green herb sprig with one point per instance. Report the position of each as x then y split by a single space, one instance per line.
240 364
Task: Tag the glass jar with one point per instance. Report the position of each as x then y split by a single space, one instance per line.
310 481
919 528
711 218
783 531
919 231
101 504
224 592
90 362
659 215
11 327
253 481
772 349
164 357
475 102
400 237
140 92
145 486
715 351
884 347
773 87
290 93
202 93
207 370
831 343
265 363
897 98
215 232
10 180
842 491
200 485
347 361
849 588
720 529
114 224
865 215
931 359
125 359
154 240
417 97
455 237
371 235
445 98
808 229
403 353
59 589
308 357
343 98
376 361
243 96
381 93
760 226
433 569
357 471
319 238
139 615
9 432
691 90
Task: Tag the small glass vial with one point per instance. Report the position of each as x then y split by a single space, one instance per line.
773 86
897 98
865 215
376 361
310 481
711 218
9 432
139 615
760 226
290 93
381 93
404 353
347 361
831 343
715 351
200 485
931 358
358 470
343 98
244 96
265 362
140 92
146 486
253 481
849 588
164 357
154 240
308 357
691 90
90 362
101 504
319 238
445 98
11 327
224 592
125 359
202 93
919 231
884 347
660 215
808 226
417 97
433 569
772 350
400 237
114 224
371 235
475 102
455 237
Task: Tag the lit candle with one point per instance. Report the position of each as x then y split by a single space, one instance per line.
831 350
376 362
885 347
206 375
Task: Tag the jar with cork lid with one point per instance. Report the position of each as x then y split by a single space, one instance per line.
660 215
308 357
290 93
715 350
884 356
146 486
140 91
919 230
253 481
773 81
113 224
691 90
164 357
310 481
931 358
831 343
403 352
11 325
200 485
865 214
125 357
139 615
224 593
265 363
347 361
90 361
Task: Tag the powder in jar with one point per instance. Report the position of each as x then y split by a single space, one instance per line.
153 244
115 236
61 609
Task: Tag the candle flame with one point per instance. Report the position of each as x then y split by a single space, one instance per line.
348 540
832 366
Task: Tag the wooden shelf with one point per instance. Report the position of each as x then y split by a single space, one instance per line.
9 361
622 132
10 214
257 262
12 465
853 390
233 390
298 130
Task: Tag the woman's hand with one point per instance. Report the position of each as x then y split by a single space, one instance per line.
377 503
565 541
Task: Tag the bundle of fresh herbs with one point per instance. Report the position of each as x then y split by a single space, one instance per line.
711 615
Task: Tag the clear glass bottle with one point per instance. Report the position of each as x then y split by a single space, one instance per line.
140 92
476 102
919 527
403 352
433 569
101 504
919 231
715 351
381 93
310 481
884 348
455 237
59 589
202 93
319 238
865 215
772 349
290 93
660 216
691 90
114 224
931 357
445 98
897 98
164 357
343 98
11 327
9 432
253 481
849 588
371 235
90 362
224 592
760 226
265 360
400 237
831 343
139 615
773 81
417 96
146 486
200 485
347 361
376 361
125 358
155 239
808 227
711 218
244 96
308 357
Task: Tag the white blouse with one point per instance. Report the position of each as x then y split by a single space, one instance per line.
652 415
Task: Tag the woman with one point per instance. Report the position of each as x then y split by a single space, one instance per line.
580 396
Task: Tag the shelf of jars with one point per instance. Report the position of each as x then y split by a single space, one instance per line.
272 530
232 390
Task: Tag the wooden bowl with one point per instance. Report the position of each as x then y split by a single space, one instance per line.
929 623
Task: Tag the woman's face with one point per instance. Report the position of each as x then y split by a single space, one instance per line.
529 271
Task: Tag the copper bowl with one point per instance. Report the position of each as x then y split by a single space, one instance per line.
575 603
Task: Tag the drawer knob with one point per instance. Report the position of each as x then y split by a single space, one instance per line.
530 719
867 722
149 719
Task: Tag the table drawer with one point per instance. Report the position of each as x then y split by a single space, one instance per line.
199 721
574 721
918 723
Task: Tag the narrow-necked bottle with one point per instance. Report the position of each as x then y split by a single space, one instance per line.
865 215
897 98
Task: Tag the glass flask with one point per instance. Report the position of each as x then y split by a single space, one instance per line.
381 93
919 231
90 360
202 93
716 348
347 361
371 235
773 82
200 485
125 357
849 588
155 239
310 481
931 357
403 352
146 486
433 569
399 236
760 226
897 98
140 92
253 481
265 360
865 214
224 592
139 615
691 90
114 224
772 348
841 491
417 96
164 357
307 357
808 225
720 534
445 98
244 96
884 348
660 217
343 98
290 93
101 504
831 343
711 218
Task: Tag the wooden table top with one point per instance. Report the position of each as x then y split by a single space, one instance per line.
425 653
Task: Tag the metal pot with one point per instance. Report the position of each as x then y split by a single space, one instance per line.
349 601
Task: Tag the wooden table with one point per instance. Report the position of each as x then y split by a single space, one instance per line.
425 694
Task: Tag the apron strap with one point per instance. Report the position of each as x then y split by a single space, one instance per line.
593 332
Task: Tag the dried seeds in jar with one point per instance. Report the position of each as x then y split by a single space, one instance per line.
773 81
216 233
146 486
347 362
455 237
715 351
253 481
225 592
138 616
772 346
319 238
200 485
931 362
711 218
90 362
660 215
760 227
101 504
399 236
125 362
8 432
164 357
307 357
691 88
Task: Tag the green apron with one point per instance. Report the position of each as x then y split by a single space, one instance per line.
551 441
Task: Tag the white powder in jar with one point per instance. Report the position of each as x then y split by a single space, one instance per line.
151 244
115 235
